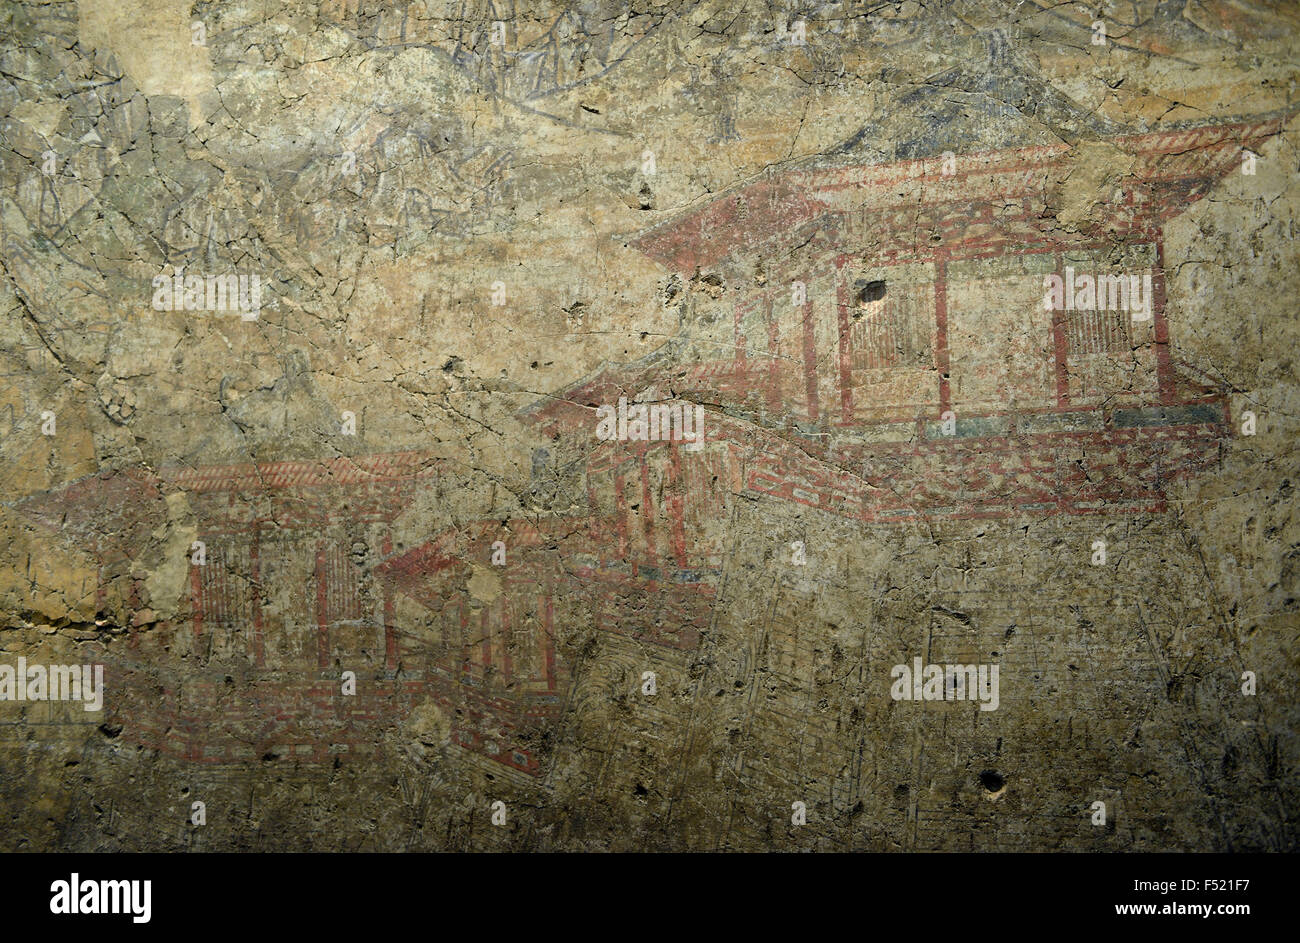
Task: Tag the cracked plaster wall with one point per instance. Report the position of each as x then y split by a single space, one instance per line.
641 186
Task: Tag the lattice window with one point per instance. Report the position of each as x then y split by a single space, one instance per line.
225 590
342 578
1098 332
891 326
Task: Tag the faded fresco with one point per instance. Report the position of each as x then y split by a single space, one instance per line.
863 426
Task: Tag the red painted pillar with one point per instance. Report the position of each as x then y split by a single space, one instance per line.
1164 363
196 603
466 658
593 528
390 617
255 565
101 589
322 610
647 506
773 360
941 332
621 515
842 302
676 508
548 643
810 361
1060 349
740 337
507 663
